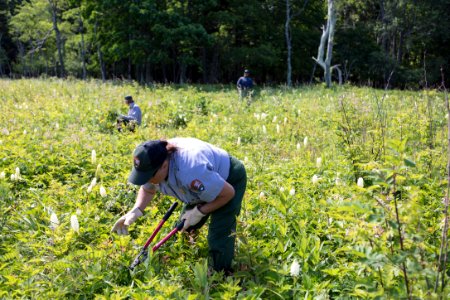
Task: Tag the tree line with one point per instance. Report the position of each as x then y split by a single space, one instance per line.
401 42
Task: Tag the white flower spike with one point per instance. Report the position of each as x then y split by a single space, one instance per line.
74 223
360 182
102 191
319 162
292 192
295 268
315 179
93 157
54 222
305 141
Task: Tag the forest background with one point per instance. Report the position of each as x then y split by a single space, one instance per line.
402 42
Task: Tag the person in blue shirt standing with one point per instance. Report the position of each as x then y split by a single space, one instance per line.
245 86
209 181
133 118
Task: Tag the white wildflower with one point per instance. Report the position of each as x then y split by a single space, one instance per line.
338 181
292 192
285 121
262 195
299 146
13 177
74 223
98 171
91 186
78 211
56 126
360 182
278 129
263 116
295 268
274 119
2 175
54 222
305 141
264 129
102 191
315 179
281 189
238 141
246 159
25 132
257 116
93 157
319 162
17 172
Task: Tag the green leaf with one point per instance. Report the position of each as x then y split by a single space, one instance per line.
409 163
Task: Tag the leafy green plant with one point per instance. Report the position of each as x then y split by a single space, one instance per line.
347 195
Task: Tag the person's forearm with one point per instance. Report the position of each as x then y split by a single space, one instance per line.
223 198
144 198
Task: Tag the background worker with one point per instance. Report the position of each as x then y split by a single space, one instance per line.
206 178
134 116
245 85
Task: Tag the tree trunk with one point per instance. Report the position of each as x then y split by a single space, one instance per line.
331 24
83 48
287 35
129 68
59 40
214 69
148 73
100 54
182 72
327 35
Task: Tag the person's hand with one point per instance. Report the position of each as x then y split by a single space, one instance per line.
121 226
192 217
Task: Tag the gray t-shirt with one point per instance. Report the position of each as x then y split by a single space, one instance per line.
197 171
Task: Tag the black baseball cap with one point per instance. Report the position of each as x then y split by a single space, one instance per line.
148 157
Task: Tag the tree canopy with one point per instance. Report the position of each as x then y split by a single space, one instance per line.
405 42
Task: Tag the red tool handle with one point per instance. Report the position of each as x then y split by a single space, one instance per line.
164 219
174 231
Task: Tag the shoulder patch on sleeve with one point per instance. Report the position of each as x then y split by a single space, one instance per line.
197 186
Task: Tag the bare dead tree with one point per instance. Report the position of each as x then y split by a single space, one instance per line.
328 38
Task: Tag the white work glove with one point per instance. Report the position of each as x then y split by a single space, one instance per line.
192 217
121 226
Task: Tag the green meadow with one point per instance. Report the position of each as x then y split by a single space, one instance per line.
344 198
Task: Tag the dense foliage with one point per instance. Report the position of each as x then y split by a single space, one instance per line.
213 41
344 197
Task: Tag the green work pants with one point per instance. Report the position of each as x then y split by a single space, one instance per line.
222 227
